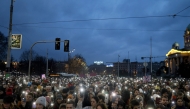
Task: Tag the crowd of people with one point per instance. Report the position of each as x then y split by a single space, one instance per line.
98 92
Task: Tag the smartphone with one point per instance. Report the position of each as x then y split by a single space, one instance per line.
24 99
34 105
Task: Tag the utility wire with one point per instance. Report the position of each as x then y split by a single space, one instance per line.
124 29
27 38
182 16
180 11
96 19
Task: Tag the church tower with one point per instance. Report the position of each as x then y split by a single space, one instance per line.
187 38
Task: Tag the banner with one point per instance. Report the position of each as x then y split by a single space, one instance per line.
43 76
16 41
147 78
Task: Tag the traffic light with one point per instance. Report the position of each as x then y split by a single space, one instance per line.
57 43
66 45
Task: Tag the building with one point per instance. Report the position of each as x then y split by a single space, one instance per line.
140 68
176 55
98 67
122 68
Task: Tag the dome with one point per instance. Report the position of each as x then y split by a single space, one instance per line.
175 45
188 27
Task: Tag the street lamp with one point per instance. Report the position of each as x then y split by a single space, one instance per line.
118 65
69 53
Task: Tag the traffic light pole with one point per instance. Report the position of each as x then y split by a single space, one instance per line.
30 55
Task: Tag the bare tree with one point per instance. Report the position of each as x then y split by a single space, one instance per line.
3 47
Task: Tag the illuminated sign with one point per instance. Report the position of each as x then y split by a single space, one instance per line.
43 76
54 75
109 65
98 62
16 41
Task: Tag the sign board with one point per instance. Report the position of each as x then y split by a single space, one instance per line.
145 64
147 78
98 62
16 41
54 75
43 76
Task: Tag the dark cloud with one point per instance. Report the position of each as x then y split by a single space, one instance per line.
98 39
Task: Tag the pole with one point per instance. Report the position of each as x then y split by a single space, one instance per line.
68 55
150 55
145 68
30 55
118 65
47 64
128 64
9 38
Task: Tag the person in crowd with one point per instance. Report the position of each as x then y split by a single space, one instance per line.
87 98
165 102
134 104
159 107
2 91
41 103
101 106
186 88
47 90
70 105
65 94
26 103
121 105
168 88
101 98
62 106
58 101
94 102
179 104
8 103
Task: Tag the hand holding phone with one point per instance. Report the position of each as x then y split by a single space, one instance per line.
24 99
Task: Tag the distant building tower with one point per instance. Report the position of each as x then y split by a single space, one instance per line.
176 55
175 46
187 38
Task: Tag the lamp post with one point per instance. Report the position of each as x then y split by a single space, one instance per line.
118 66
69 56
69 53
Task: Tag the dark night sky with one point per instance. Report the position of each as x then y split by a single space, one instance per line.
99 30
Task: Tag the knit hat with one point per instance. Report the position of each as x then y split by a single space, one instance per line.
42 100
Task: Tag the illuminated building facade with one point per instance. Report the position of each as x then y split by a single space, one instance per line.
176 55
98 67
